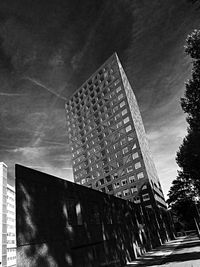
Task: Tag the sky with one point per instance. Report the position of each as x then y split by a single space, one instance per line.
48 48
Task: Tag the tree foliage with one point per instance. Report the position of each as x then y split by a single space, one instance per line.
188 156
182 200
186 186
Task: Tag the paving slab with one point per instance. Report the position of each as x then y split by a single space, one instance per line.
182 252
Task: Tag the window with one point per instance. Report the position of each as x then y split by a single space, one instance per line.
116 82
140 175
108 178
132 179
118 89
117 185
124 182
106 169
128 128
103 189
126 159
120 96
126 120
124 112
122 104
115 109
126 192
129 169
116 145
134 147
145 197
136 200
115 175
130 138
123 141
137 165
119 124
144 187
83 181
110 187
134 189
101 181
117 116
125 150
135 155
111 122
118 194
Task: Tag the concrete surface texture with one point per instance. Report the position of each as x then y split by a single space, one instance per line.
63 224
182 252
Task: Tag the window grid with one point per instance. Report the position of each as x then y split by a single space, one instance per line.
99 125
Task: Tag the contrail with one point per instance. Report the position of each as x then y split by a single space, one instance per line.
45 87
10 94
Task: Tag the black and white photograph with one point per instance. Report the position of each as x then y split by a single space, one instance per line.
99 133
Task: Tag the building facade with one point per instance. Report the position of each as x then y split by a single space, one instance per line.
3 216
60 223
109 147
11 227
7 220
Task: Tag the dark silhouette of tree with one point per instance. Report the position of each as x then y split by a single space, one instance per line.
197 2
188 156
182 201
185 189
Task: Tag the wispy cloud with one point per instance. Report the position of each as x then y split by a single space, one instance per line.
45 87
10 94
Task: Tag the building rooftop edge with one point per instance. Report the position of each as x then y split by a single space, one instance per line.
107 60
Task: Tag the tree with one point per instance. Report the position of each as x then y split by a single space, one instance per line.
188 156
182 201
185 188
194 2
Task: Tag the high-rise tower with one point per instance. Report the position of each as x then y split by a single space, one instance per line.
3 216
109 148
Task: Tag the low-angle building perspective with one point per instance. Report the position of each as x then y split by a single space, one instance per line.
109 147
11 226
99 133
3 215
8 219
110 151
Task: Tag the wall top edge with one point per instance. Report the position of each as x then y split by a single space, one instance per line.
113 56
3 164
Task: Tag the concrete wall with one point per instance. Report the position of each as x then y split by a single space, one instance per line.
60 223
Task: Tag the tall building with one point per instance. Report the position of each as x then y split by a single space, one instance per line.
3 217
7 220
109 147
11 227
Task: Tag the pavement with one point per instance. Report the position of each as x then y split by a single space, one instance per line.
182 252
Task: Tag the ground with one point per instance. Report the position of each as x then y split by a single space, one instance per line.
182 252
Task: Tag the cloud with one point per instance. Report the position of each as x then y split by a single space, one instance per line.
59 44
45 87
164 143
10 94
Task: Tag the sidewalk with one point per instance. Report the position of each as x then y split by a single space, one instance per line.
182 252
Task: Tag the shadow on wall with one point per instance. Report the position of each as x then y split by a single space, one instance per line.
162 230
60 223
